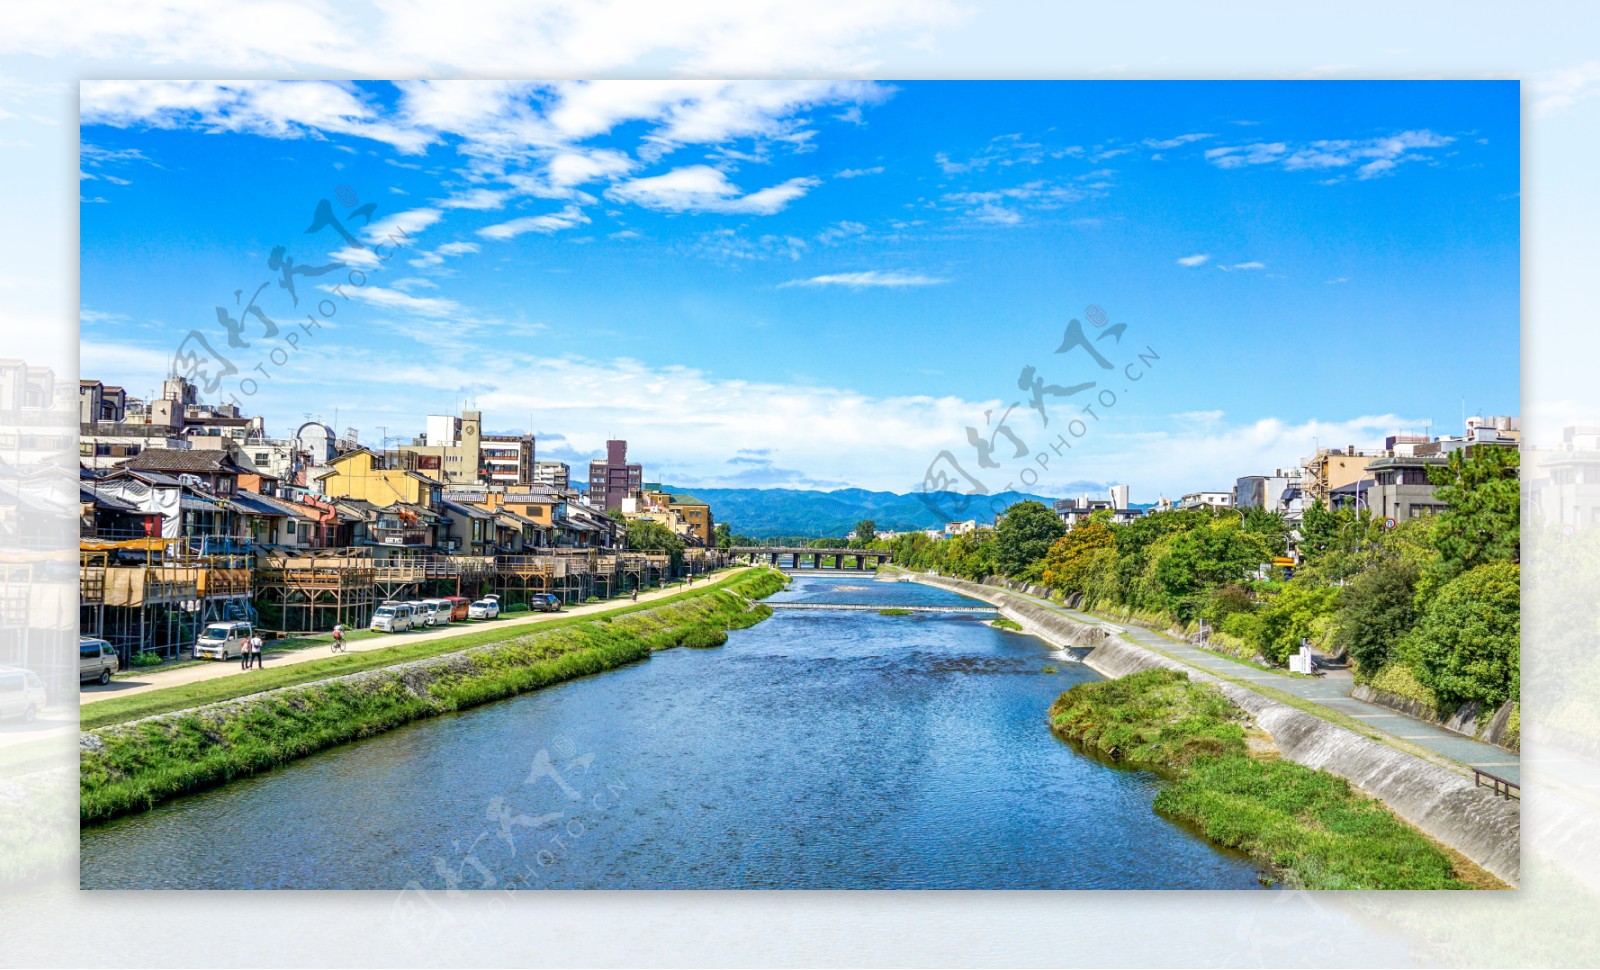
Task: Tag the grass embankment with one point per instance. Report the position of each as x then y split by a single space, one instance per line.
1311 828
129 768
119 709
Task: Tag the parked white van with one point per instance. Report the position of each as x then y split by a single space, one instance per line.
441 611
97 660
222 641
421 613
21 693
393 618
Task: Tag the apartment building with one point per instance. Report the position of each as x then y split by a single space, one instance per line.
556 475
613 478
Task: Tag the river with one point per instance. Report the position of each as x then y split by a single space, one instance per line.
816 750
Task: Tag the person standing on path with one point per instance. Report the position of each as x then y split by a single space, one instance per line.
244 653
257 643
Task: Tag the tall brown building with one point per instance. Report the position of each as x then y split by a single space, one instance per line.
611 480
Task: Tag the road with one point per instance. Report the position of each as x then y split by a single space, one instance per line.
158 679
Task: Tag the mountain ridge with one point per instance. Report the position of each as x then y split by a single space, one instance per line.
766 512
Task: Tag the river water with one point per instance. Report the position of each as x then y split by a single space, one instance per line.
816 750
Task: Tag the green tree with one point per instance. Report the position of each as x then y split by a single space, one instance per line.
724 535
1467 645
1483 521
1023 536
1068 562
1203 558
1379 611
866 531
645 535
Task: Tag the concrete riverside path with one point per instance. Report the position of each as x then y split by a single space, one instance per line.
512 624
1331 691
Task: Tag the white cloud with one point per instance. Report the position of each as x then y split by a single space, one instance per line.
1253 264
479 199
870 278
274 109
1373 157
395 300
1198 259
855 173
1555 90
567 218
457 248
1166 144
701 188
841 230
398 229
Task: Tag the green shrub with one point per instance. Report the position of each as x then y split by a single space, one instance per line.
1152 719
145 658
1312 828
1401 680
1377 613
1467 646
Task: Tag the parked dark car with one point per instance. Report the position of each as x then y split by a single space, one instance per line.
544 603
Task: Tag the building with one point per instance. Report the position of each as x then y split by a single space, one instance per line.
363 475
1330 468
685 515
1206 500
1264 491
1401 488
1076 511
212 468
613 479
100 402
555 475
1567 489
457 452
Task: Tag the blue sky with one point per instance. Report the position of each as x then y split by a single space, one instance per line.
816 284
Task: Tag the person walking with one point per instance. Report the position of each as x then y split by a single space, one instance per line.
257 644
244 653
636 594
338 638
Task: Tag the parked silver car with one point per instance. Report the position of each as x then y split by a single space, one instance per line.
97 660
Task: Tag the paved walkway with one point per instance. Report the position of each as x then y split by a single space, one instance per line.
1331 691
158 679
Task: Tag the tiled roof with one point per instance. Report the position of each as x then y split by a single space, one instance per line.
210 460
88 494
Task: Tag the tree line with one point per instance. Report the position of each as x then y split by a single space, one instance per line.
1429 609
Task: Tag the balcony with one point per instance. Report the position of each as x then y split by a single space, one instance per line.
400 536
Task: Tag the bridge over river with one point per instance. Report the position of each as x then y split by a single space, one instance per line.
793 556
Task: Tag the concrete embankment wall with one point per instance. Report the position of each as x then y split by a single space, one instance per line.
1440 801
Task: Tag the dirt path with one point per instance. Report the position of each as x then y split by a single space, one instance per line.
156 680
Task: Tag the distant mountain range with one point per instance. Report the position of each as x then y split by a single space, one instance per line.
762 513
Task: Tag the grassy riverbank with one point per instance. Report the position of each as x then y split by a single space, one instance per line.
1311 828
116 710
129 767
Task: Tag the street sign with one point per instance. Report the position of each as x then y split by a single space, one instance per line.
1283 561
1389 523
